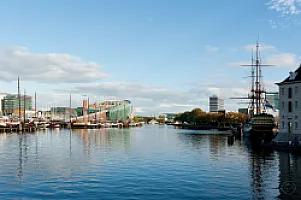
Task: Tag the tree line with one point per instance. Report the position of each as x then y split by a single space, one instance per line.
198 116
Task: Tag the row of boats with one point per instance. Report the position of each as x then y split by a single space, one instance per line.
79 125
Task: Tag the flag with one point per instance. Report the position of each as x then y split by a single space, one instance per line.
269 105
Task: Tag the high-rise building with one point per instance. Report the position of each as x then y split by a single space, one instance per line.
215 104
10 104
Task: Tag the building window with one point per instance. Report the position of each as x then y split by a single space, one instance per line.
282 91
296 90
296 104
289 93
290 109
296 117
282 104
283 125
296 125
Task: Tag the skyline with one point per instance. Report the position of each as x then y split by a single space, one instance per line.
163 56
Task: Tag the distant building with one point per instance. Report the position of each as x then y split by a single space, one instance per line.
114 110
2 95
119 110
290 103
243 110
273 98
215 104
169 116
10 104
63 112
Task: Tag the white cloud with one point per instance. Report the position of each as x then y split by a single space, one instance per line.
285 7
282 60
146 99
287 60
262 47
149 100
212 49
46 68
138 110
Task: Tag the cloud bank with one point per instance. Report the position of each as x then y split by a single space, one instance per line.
46 68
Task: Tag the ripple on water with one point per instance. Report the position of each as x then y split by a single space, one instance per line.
153 162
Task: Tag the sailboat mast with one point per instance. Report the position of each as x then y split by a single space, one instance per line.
35 104
70 101
24 105
19 100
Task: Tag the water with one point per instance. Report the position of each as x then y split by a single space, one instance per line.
152 162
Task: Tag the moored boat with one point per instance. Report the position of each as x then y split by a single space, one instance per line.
260 126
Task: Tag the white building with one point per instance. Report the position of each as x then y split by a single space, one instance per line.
290 103
215 104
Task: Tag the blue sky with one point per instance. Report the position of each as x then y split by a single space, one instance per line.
164 55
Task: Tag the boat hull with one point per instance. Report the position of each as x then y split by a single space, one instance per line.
259 133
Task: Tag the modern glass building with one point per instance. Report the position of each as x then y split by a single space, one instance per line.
10 103
120 113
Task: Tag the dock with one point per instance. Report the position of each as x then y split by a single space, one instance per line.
34 127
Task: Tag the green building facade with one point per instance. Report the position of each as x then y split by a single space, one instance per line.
120 113
10 103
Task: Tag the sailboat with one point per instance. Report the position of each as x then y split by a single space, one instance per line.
260 125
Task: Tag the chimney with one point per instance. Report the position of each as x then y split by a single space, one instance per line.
292 75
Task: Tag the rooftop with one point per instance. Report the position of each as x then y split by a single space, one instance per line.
293 76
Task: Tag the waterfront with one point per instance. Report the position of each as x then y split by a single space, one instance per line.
151 162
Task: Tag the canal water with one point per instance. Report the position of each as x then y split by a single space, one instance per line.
151 162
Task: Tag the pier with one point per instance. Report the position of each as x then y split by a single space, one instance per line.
31 127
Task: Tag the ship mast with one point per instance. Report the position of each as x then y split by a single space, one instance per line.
257 80
252 87
256 85
256 94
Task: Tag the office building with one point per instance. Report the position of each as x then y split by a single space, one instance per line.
10 104
215 104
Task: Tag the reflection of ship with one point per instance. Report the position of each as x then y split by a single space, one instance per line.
289 176
260 125
261 162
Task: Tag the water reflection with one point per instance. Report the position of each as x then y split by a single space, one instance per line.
289 175
149 163
20 164
108 139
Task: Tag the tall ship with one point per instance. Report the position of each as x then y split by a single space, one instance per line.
260 125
